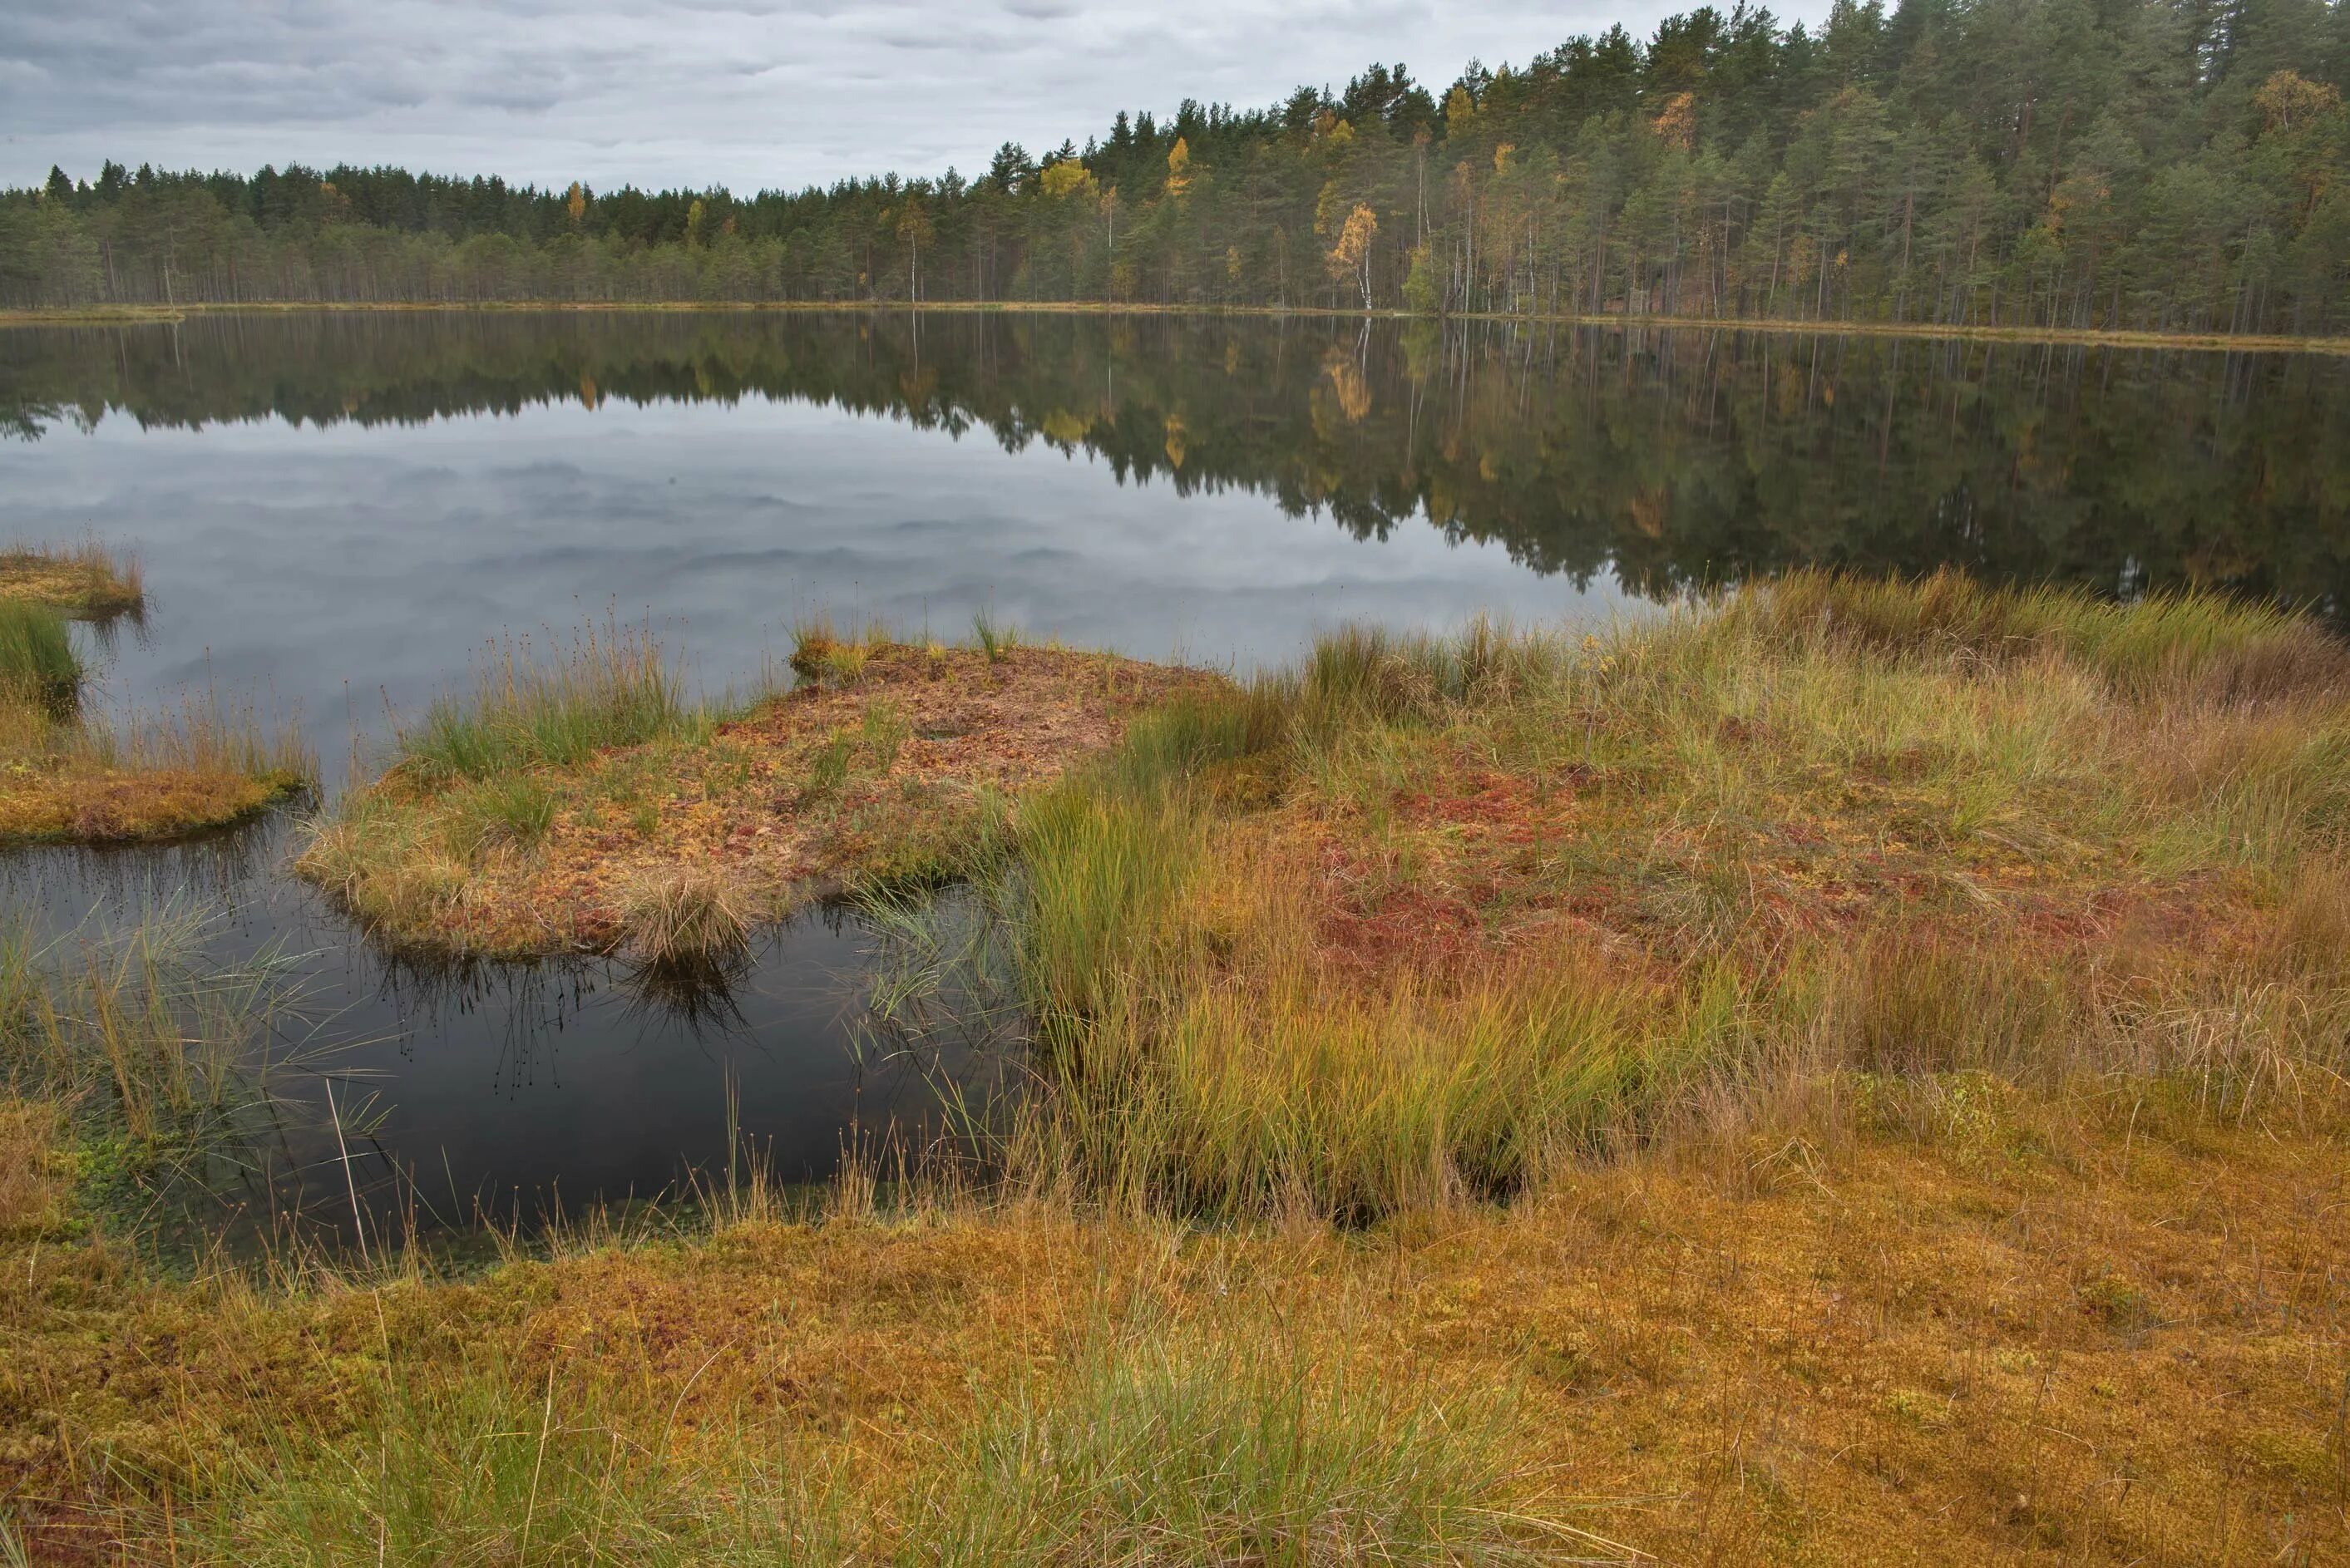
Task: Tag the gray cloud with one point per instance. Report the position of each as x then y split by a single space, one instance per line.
751 93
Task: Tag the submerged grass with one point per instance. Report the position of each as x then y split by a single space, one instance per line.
136 1026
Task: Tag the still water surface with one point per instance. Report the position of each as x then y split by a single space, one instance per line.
334 512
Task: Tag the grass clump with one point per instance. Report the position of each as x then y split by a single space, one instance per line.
820 657
994 639
474 1464
38 667
513 811
85 581
610 687
686 916
32 1191
206 762
1229 1448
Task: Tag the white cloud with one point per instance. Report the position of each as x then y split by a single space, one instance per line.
750 93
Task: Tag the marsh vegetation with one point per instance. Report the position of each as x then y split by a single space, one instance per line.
85 581
577 799
69 770
1840 1061
1431 918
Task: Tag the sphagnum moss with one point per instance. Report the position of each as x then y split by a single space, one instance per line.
1436 916
1910 1059
879 766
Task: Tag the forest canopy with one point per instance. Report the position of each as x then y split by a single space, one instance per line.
2145 164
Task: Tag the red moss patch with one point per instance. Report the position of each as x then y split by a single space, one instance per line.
882 776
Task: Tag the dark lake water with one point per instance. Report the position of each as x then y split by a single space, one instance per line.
335 513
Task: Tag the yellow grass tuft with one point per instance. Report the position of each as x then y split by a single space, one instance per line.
85 581
686 916
206 763
32 1189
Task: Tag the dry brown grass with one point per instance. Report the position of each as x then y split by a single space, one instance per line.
32 1187
1975 1327
684 915
879 769
87 581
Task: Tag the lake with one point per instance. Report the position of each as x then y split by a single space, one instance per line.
337 512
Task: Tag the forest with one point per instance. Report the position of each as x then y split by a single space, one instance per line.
2159 165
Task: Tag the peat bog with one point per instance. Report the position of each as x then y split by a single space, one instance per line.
923 909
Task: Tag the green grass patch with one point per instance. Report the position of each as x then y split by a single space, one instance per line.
38 665
606 686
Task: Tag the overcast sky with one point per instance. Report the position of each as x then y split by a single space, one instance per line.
748 93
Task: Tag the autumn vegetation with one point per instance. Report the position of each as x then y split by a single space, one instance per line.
70 773
577 800
2152 166
1835 1062
84 581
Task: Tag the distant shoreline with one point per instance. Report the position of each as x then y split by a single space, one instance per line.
137 315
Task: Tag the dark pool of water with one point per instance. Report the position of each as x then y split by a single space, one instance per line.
444 1096
335 513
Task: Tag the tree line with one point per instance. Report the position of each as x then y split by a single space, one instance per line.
2146 164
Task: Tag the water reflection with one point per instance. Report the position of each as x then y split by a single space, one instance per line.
435 1095
1665 456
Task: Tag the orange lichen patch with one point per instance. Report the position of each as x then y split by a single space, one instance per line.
882 775
85 801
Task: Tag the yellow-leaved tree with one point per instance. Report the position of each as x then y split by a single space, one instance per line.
1069 178
1351 256
1178 169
